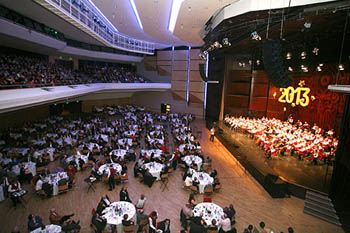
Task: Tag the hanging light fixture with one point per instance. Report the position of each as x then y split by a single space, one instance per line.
303 55
315 51
289 56
341 67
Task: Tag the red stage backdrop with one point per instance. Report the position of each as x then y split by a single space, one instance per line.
251 94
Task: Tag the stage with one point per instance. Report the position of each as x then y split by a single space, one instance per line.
288 171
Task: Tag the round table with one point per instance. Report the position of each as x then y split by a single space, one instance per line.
118 153
53 179
188 146
203 178
76 158
193 158
156 153
115 211
155 169
48 229
210 211
106 167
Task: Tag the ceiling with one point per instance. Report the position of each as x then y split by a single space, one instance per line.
154 15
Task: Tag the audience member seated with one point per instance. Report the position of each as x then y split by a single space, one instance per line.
164 226
141 202
34 222
127 222
56 218
99 222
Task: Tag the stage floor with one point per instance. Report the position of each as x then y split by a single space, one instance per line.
289 167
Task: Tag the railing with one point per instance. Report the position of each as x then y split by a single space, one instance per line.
84 15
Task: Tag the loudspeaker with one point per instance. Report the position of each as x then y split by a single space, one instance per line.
202 72
273 63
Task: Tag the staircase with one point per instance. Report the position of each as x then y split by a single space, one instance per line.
320 205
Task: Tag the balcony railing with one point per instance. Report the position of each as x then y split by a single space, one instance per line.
84 15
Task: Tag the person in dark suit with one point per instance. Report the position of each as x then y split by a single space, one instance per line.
34 222
124 195
105 199
165 226
127 222
99 222
213 226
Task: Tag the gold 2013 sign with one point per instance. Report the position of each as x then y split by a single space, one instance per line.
296 96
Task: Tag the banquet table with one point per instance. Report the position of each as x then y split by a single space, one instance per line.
105 167
53 180
118 153
48 229
188 146
193 158
115 211
49 150
31 167
124 141
203 178
210 211
156 153
155 169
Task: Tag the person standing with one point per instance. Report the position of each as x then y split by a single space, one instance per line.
111 180
212 134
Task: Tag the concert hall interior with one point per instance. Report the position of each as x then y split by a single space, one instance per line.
162 116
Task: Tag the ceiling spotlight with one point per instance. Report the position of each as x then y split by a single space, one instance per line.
341 67
290 69
217 45
289 56
303 55
250 62
257 62
321 64
205 52
319 69
225 42
315 51
255 36
304 68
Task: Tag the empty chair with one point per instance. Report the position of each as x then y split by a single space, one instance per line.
127 229
208 189
194 189
217 187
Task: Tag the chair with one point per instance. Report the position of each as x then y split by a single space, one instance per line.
124 178
40 169
46 158
194 189
217 187
116 177
165 179
170 170
85 165
56 156
186 186
182 165
41 193
63 188
207 199
212 231
74 181
127 229
205 168
208 190
105 179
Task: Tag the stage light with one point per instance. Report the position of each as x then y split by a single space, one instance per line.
240 64
303 55
307 25
284 109
250 62
341 67
315 51
321 64
290 69
175 8
136 13
217 45
258 62
289 56
255 36
304 68
225 42
319 69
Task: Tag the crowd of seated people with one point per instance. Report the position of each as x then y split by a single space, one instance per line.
111 74
278 137
34 72
19 71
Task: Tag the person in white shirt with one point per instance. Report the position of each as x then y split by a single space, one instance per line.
39 184
225 224
141 202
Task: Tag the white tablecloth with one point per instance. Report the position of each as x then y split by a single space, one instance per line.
115 212
106 167
203 178
48 229
125 141
156 153
31 167
49 150
193 158
210 211
188 146
154 169
119 153
54 178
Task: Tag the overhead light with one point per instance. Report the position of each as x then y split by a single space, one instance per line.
307 24
136 13
304 68
341 67
315 51
290 69
321 64
225 42
289 56
250 62
303 55
175 8
319 69
255 36
217 45
257 62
